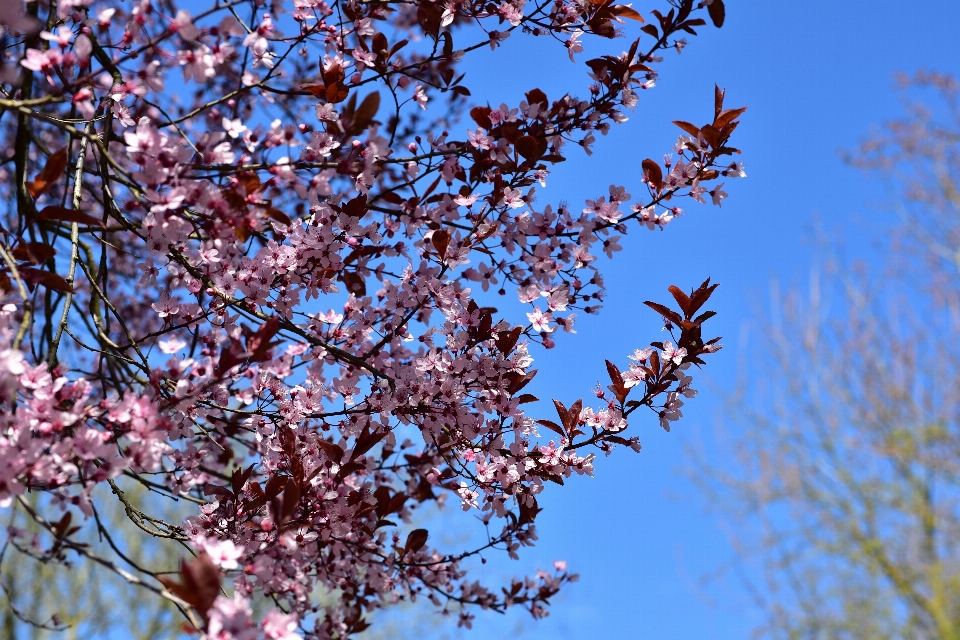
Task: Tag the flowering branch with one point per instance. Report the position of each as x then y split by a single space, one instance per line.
269 245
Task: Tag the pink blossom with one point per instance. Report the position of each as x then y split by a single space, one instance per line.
234 128
540 321
718 194
697 191
261 54
104 17
512 198
479 139
12 366
280 626
673 354
197 63
42 62
466 201
420 96
611 245
573 44
602 209
230 619
735 170
223 552
172 344
167 306
364 59
671 411
62 37
183 25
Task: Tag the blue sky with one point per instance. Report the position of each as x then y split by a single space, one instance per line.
818 77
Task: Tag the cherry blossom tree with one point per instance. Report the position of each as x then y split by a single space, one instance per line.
247 256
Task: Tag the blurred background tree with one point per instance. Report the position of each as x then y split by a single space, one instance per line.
46 599
846 489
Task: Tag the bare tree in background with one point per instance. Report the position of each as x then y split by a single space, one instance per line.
848 466
50 600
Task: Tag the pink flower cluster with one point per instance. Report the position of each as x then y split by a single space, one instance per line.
58 438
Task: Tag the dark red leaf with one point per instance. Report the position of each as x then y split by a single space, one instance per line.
428 17
536 96
717 101
68 215
530 147
681 299
440 240
712 135
355 283
481 115
553 426
655 363
33 252
380 44
703 317
573 417
652 30
653 173
199 583
50 280
416 540
275 214
624 11
562 412
367 441
699 297
614 374
365 113
727 116
717 12
210 489
259 344
529 510
230 356
291 497
689 128
49 175
333 451
519 380
507 340
618 440
666 312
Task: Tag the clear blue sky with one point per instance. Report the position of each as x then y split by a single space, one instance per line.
817 77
